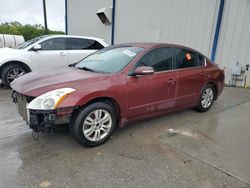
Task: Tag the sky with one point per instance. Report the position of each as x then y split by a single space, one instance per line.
31 12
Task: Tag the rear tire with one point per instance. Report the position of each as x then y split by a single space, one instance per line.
94 124
206 99
11 72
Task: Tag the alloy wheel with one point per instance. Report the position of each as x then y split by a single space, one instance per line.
14 73
97 125
207 98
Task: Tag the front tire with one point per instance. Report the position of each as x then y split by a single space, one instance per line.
206 99
11 72
94 124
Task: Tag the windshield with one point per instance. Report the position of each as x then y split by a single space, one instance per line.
109 60
29 42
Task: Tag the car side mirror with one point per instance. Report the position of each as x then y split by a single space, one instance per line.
37 47
143 70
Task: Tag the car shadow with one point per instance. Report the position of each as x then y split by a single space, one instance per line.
3 87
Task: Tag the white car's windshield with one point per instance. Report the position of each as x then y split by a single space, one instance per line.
29 42
109 60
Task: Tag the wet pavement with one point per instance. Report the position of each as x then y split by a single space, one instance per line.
184 149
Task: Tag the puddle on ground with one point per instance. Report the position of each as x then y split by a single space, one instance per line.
194 133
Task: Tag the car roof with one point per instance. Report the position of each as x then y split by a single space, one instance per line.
100 40
77 36
148 45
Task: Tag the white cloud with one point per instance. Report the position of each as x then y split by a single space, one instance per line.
31 12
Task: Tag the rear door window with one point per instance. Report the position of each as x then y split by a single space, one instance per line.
201 59
84 44
186 58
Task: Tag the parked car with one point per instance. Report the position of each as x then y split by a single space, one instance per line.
50 51
118 85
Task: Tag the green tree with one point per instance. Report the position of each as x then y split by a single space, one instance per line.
28 31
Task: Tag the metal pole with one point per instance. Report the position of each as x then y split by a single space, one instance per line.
217 30
66 17
113 23
45 17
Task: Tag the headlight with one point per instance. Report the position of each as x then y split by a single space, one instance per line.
50 100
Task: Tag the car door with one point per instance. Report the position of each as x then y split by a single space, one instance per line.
53 53
191 76
152 93
80 48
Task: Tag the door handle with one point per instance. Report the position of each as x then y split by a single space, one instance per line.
171 81
62 54
203 73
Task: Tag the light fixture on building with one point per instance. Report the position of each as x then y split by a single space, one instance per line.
105 15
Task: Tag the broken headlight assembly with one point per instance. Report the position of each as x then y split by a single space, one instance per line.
50 100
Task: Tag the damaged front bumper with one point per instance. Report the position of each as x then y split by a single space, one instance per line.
38 120
43 118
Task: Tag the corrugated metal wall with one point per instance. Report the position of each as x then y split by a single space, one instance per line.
234 41
187 22
82 18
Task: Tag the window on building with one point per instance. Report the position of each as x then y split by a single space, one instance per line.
54 44
160 59
186 59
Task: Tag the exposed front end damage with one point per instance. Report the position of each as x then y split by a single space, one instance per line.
40 120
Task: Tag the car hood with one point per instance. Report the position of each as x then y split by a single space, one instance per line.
39 82
10 52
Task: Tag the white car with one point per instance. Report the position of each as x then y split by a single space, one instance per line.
48 51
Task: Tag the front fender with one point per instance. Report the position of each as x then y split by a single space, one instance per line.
77 100
16 56
24 61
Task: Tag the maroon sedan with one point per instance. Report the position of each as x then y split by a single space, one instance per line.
118 85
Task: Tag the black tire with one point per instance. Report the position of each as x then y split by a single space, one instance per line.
201 107
77 127
7 70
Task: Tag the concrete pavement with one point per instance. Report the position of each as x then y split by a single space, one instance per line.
207 150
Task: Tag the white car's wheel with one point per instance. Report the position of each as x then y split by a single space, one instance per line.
12 72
